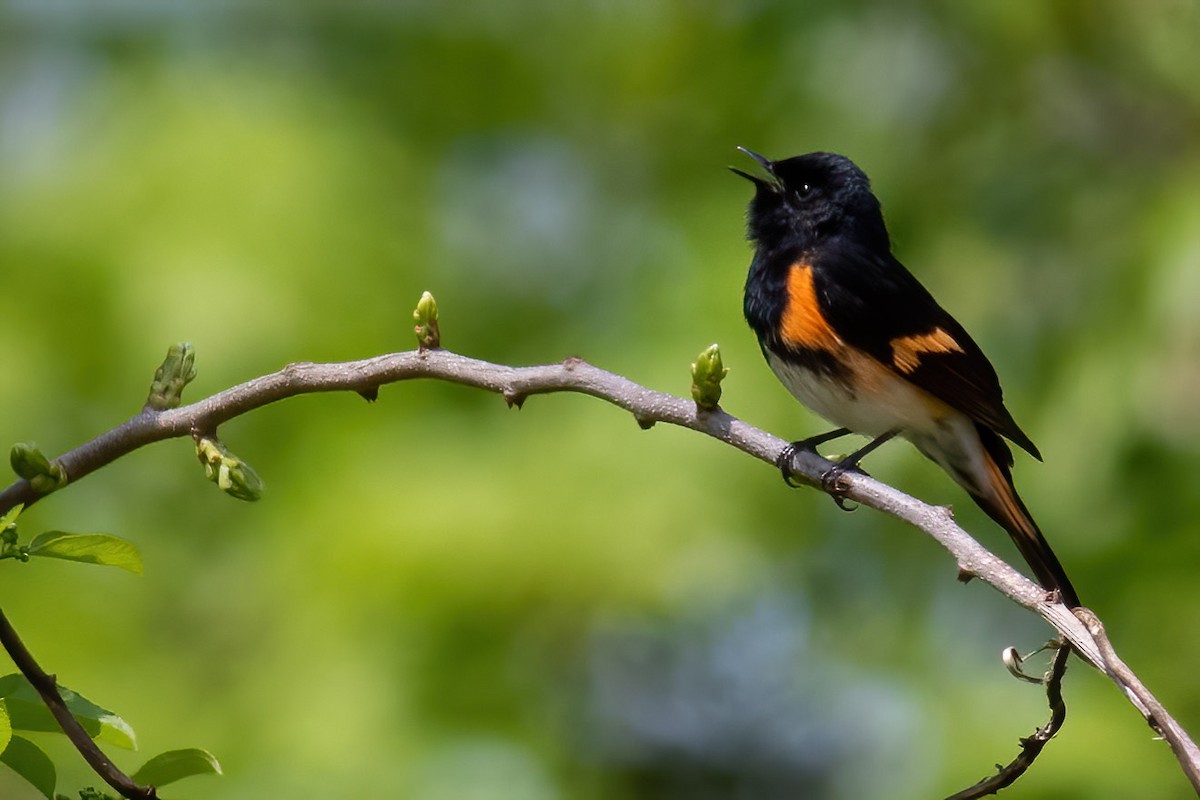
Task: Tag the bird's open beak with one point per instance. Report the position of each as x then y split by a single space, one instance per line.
764 162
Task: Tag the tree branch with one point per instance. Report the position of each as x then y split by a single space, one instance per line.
648 407
47 686
1031 746
1157 717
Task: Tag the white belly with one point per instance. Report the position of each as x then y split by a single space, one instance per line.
885 402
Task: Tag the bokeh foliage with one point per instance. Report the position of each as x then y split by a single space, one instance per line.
442 598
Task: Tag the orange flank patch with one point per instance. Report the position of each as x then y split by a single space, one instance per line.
803 324
907 350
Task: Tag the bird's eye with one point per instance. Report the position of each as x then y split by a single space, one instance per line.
803 189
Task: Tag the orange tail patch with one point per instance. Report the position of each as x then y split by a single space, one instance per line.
1004 505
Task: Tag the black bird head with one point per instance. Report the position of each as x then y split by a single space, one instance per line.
807 200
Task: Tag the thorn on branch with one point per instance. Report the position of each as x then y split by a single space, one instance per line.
514 399
965 575
177 371
370 394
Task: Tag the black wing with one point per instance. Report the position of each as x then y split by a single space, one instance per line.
876 305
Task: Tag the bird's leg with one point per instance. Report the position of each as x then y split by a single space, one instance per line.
850 462
831 480
784 462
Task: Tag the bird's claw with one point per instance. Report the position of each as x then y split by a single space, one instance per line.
833 482
784 462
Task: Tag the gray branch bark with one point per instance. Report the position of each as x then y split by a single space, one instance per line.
647 407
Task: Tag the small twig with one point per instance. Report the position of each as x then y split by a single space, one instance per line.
47 686
1160 721
1014 661
1031 747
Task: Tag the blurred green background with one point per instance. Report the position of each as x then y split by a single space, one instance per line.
443 598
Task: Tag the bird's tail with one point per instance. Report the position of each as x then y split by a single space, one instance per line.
1004 505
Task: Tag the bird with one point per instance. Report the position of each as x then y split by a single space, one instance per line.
857 339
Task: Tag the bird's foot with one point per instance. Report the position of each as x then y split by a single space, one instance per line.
833 482
786 456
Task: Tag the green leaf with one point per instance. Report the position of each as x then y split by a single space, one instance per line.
27 760
5 727
175 765
11 517
28 713
89 548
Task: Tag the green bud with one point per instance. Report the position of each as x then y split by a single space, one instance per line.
43 484
232 475
91 793
177 371
28 461
426 317
238 479
31 464
8 535
707 373
209 452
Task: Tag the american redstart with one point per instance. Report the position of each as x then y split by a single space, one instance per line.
858 340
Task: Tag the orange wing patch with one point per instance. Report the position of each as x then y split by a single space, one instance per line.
803 324
907 350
